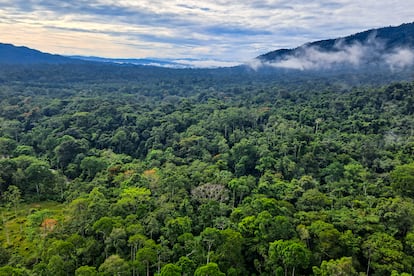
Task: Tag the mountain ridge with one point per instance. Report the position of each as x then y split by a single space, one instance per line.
11 54
133 61
373 45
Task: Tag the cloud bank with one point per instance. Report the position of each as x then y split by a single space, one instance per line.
400 58
370 52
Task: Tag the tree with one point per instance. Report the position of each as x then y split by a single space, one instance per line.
4 256
114 265
402 179
270 228
186 265
211 237
187 245
61 257
7 146
325 240
91 165
68 149
13 197
176 227
397 215
409 243
39 176
229 253
210 192
24 150
135 242
170 270
210 269
34 222
86 271
8 168
147 255
208 213
120 140
133 200
86 210
57 266
241 187
292 255
116 240
313 200
244 157
383 253
104 226
97 205
356 173
340 267
12 271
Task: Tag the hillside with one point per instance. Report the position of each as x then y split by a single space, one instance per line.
10 54
390 46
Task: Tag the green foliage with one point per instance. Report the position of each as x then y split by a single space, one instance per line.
114 265
7 146
12 271
170 270
402 179
210 269
34 223
384 253
24 150
4 256
326 240
291 255
86 271
341 267
203 172
313 200
12 197
187 265
91 165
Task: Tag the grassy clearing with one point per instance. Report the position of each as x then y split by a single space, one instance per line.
15 229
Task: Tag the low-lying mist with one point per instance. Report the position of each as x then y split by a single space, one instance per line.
373 51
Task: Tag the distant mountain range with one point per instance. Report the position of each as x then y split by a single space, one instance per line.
10 54
392 46
138 61
168 63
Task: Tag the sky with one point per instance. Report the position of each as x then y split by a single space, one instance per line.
217 32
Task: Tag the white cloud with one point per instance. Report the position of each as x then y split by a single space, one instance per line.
400 58
315 58
207 63
371 51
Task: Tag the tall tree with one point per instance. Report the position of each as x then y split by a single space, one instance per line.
12 196
292 255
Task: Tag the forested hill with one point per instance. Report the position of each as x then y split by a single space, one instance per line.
10 54
122 170
391 46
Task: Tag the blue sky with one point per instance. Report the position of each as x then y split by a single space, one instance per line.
219 32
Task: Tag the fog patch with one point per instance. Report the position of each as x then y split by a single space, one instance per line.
372 52
400 58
